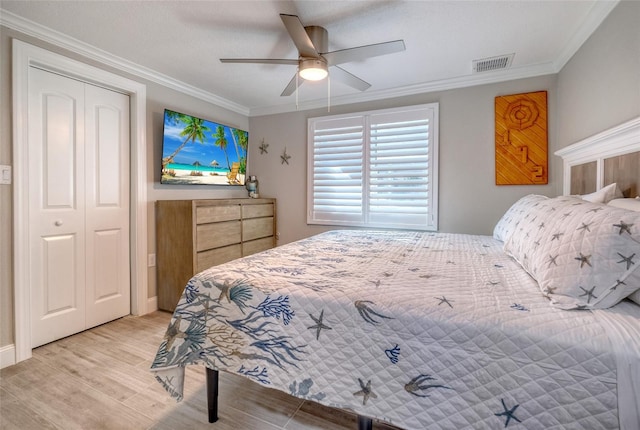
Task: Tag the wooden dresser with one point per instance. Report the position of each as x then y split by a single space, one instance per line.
193 235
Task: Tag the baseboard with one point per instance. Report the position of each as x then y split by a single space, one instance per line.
7 356
152 304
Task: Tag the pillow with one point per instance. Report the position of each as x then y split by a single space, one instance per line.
635 297
629 204
583 254
604 195
511 218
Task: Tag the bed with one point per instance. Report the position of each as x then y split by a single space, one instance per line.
529 328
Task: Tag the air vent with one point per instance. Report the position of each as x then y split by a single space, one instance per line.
492 63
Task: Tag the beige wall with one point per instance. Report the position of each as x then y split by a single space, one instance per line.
469 200
600 86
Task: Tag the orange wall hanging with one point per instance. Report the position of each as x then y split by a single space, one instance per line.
521 139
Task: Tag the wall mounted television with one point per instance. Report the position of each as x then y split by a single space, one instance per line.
196 151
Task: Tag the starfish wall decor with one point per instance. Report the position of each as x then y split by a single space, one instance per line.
264 147
285 157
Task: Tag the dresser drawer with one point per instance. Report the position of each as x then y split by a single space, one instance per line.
206 214
258 245
217 234
213 257
256 228
257 211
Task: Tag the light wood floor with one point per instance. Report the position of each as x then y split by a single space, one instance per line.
100 379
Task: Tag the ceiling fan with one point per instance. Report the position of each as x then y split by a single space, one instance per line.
313 59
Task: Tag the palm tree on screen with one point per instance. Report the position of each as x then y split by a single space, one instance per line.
194 130
221 141
241 138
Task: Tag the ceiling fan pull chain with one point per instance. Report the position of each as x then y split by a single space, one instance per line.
297 86
329 93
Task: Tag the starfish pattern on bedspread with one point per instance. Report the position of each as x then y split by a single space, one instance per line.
583 259
443 299
585 227
319 326
224 291
627 260
624 227
365 391
173 332
588 294
509 413
237 292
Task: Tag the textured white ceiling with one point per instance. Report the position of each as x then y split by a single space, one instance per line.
184 40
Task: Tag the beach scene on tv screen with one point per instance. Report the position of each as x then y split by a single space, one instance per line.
197 151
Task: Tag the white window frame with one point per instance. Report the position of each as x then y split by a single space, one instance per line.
359 148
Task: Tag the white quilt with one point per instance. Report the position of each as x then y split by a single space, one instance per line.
422 330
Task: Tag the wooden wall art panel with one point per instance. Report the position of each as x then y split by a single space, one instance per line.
521 139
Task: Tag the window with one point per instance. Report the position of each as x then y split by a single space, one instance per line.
374 169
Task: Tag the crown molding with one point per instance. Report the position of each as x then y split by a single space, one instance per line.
46 34
598 13
427 87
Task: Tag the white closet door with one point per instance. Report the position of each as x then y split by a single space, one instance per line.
107 205
69 134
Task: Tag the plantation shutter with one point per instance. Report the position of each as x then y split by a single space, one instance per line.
374 169
399 187
337 169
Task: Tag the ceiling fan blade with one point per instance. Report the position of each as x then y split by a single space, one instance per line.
339 74
293 84
260 60
363 52
299 36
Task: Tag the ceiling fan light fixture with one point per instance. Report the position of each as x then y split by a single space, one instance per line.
313 69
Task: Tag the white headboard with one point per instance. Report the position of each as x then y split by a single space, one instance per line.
595 151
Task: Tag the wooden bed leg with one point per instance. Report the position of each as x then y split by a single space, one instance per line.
212 394
364 423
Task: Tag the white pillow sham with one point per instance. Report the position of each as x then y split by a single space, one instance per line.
604 195
583 254
629 204
512 217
